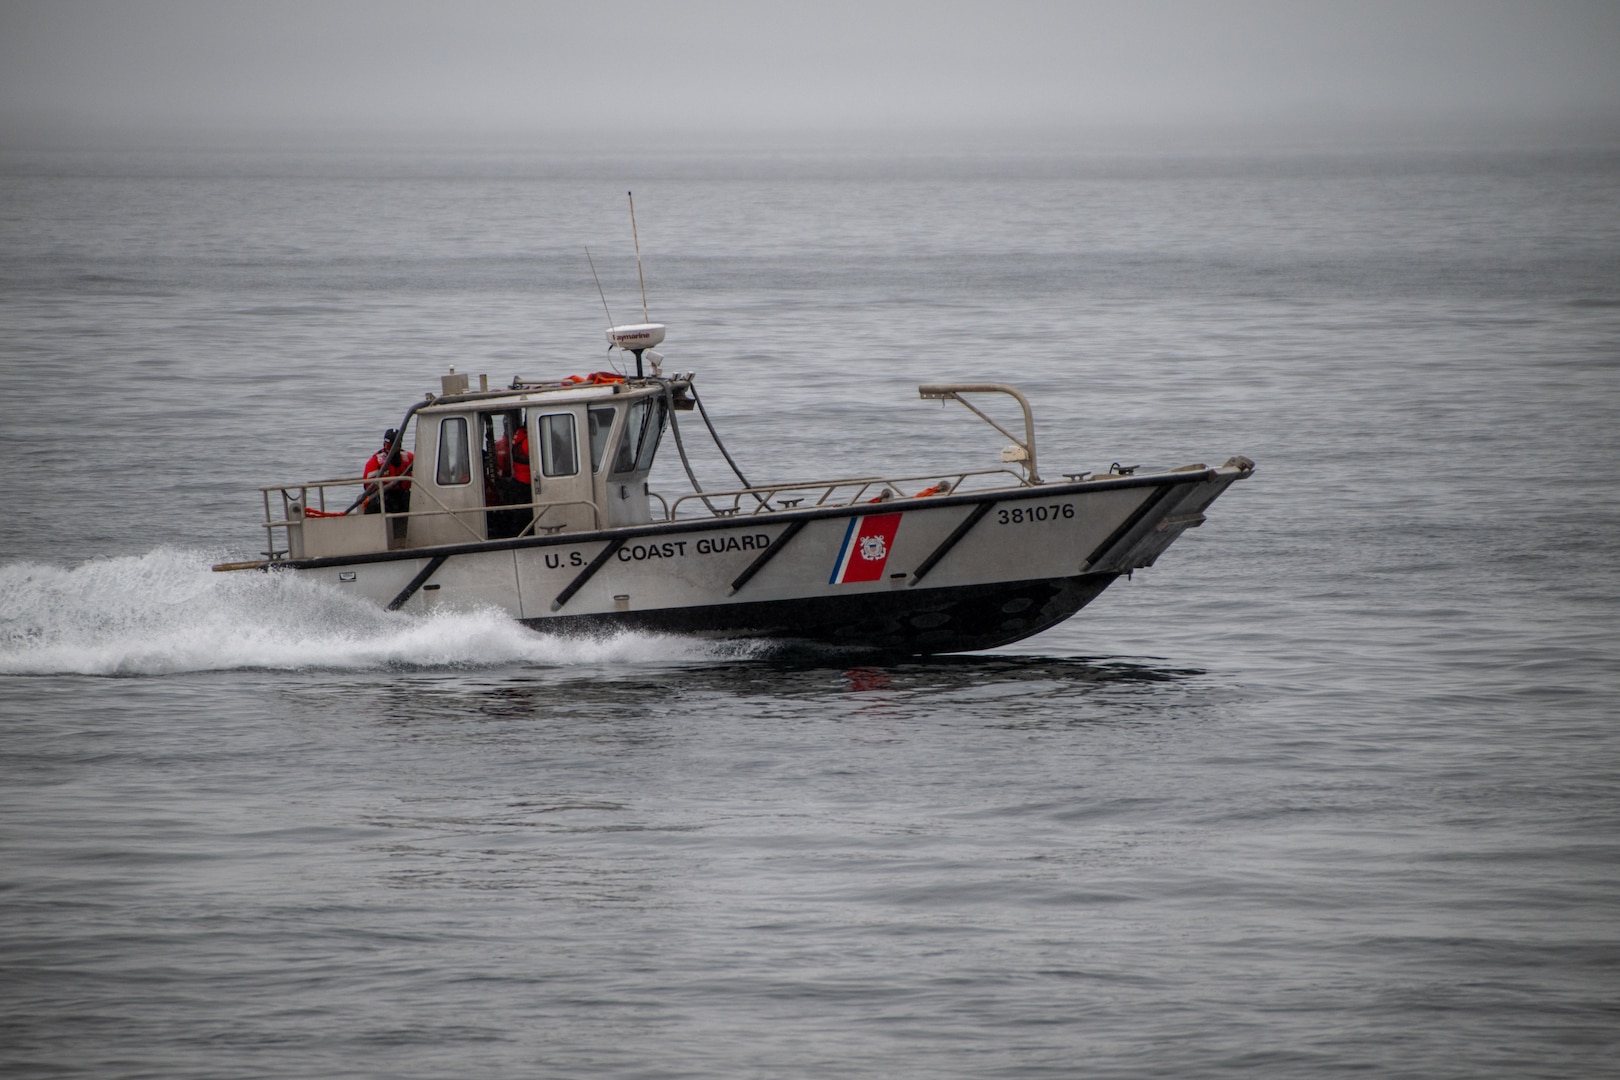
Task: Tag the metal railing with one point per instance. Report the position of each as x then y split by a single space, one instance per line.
297 498
850 491
293 510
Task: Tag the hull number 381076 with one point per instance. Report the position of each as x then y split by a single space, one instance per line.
1023 515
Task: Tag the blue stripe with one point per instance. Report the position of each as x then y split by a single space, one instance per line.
838 567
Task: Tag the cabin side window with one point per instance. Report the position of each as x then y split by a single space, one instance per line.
559 453
455 461
601 425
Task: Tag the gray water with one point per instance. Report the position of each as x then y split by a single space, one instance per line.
1331 789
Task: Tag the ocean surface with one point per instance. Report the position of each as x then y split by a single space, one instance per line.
1334 789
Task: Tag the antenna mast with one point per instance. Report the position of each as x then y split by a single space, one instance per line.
637 241
641 338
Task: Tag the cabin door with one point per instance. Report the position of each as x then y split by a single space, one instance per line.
508 488
561 469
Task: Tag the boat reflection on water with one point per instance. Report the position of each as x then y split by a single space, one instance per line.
633 697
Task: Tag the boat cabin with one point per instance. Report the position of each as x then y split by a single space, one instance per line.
530 460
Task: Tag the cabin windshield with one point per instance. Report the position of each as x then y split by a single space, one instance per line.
601 425
642 429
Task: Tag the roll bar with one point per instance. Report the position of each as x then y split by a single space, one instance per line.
954 392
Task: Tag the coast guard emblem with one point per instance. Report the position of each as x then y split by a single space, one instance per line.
865 551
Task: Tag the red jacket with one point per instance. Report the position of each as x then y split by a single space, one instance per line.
516 462
401 467
520 455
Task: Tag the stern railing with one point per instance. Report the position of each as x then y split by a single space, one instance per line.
294 503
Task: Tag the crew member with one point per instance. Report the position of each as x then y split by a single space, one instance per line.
508 482
512 458
520 456
396 497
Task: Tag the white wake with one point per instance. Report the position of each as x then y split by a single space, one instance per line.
166 612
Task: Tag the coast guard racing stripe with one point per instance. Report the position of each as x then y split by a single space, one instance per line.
867 544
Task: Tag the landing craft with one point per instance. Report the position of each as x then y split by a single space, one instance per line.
930 563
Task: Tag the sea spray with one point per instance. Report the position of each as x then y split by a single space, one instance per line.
166 612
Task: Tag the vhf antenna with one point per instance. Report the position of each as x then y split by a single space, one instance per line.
599 292
598 281
637 241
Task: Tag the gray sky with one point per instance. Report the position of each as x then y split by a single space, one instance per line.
502 64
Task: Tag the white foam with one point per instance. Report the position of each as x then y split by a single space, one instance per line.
166 612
